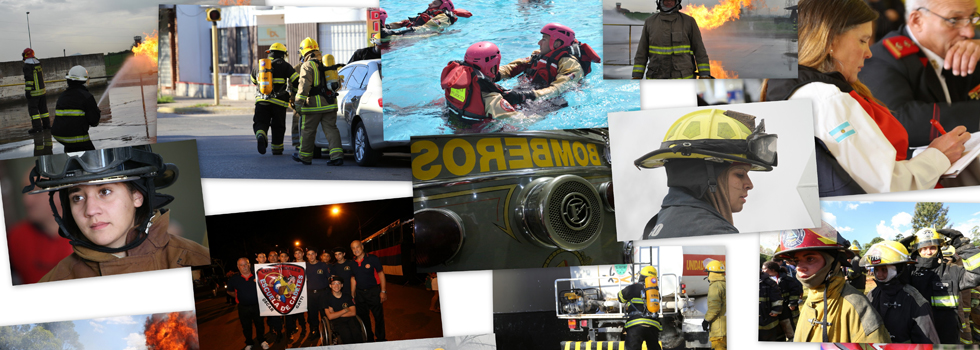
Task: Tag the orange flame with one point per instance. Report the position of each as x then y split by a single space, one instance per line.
178 331
234 2
726 11
718 71
148 48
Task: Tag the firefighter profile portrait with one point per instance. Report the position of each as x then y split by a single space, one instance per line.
75 111
37 102
907 314
670 46
642 303
272 98
708 155
715 320
941 282
316 103
833 310
112 213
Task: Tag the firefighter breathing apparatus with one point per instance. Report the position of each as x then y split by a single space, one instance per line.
651 292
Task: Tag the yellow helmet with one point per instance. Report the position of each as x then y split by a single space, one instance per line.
308 45
277 47
648 271
375 39
712 265
855 249
927 237
328 60
949 251
718 136
886 253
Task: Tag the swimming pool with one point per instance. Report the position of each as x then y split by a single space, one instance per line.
413 66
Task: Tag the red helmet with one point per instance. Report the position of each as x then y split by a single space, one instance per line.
382 15
559 32
28 53
447 5
823 238
485 56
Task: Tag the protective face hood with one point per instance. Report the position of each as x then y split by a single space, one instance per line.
892 272
823 274
694 175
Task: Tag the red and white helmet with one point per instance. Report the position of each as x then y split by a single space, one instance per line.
559 32
824 238
485 56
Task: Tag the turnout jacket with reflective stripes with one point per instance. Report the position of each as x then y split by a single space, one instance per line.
311 77
770 301
791 289
75 111
634 298
852 318
282 74
33 78
670 47
906 314
941 284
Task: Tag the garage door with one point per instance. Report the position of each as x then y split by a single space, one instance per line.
341 39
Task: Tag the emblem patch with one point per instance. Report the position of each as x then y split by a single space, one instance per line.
281 286
975 93
842 132
791 239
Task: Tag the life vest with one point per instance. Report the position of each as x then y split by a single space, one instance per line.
425 17
464 86
544 68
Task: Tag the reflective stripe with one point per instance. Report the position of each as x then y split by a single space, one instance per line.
37 93
278 80
326 108
259 132
300 97
305 154
777 303
45 115
621 299
670 50
277 147
972 262
72 139
770 325
646 322
638 68
69 112
274 101
336 150
946 301
36 117
294 77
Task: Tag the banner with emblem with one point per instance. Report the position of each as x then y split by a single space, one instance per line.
281 288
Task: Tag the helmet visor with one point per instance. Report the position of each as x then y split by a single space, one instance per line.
57 166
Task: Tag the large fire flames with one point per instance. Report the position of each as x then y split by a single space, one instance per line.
718 71
148 48
726 11
175 331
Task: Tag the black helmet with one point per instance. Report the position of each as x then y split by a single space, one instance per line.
138 165
660 6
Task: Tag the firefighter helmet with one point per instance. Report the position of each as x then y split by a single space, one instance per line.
948 251
660 6
648 271
308 45
77 73
382 16
137 165
712 265
557 32
28 53
927 237
886 253
277 47
855 249
715 135
823 238
485 56
447 5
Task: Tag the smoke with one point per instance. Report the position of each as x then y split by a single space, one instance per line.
174 331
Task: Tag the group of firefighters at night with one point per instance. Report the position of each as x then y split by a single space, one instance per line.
338 290
816 289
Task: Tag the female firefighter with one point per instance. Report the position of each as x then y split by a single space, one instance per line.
707 171
907 315
112 214
941 282
833 311
643 323
715 320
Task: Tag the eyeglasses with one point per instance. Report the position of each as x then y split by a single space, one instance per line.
956 22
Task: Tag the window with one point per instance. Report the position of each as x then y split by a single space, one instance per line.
346 71
223 45
243 45
356 77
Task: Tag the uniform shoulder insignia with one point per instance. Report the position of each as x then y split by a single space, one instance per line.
869 318
900 46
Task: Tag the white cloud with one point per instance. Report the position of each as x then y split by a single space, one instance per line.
135 341
98 327
844 229
900 224
852 206
116 320
829 217
769 240
901 219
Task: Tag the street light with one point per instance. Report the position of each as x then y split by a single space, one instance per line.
335 211
29 41
296 244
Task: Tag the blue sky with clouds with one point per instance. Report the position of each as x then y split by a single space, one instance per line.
113 333
864 221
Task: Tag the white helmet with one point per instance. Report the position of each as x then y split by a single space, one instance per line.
78 73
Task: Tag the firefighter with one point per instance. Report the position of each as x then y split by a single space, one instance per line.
790 290
270 109
975 314
833 311
670 46
437 17
907 315
75 111
715 321
472 97
373 51
940 282
770 308
316 102
857 275
37 102
560 64
642 324
707 171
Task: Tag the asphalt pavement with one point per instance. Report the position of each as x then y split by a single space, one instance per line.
227 146
407 316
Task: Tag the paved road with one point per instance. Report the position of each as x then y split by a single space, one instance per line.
226 148
407 316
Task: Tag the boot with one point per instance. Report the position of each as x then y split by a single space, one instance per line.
36 126
336 162
262 142
45 123
298 159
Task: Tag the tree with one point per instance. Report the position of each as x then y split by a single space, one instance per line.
930 214
974 236
64 331
873 241
26 337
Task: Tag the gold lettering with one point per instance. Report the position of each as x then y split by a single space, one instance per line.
593 154
540 153
449 159
521 151
429 152
486 155
563 153
580 150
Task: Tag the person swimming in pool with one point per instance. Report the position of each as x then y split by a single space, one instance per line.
436 18
559 65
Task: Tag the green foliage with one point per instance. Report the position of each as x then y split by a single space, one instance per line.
930 214
164 99
873 241
64 331
25 337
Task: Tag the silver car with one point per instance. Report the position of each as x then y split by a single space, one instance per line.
359 115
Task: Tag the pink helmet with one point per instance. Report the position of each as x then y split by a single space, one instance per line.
559 32
448 5
486 56
382 15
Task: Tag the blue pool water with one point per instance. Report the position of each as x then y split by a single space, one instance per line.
413 65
